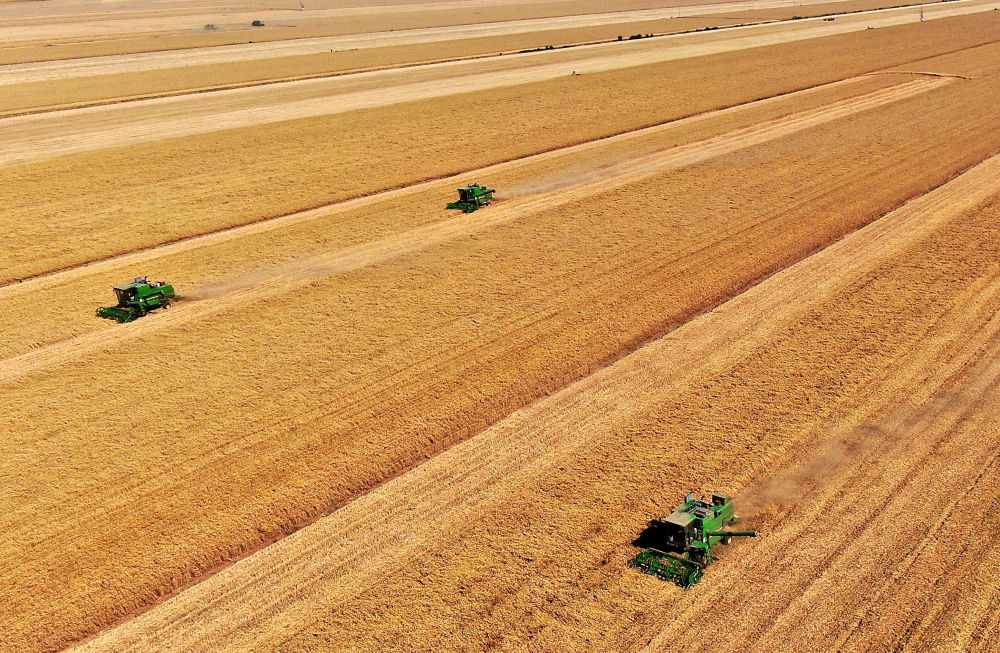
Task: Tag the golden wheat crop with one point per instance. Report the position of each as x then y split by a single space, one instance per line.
408 425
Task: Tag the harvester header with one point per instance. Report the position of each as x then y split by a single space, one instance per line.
682 541
472 197
138 298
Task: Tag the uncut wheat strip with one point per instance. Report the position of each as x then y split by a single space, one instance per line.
530 435
99 127
307 271
133 258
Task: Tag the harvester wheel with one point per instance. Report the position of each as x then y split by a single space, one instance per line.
166 306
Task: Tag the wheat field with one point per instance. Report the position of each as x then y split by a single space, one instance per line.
763 260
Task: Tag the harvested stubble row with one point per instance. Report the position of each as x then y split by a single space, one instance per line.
868 371
170 184
144 502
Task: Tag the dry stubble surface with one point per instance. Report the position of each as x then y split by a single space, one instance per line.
137 503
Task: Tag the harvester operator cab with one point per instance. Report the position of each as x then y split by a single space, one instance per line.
678 547
125 294
677 531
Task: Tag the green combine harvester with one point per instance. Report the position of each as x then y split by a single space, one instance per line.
472 197
138 298
682 542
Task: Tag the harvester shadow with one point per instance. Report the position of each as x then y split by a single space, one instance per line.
647 539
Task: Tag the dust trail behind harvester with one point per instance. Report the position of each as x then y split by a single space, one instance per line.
575 175
314 268
301 270
867 443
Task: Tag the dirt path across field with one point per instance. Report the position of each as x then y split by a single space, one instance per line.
807 569
81 130
256 286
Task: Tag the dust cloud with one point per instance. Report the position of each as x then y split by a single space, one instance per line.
303 270
866 443
790 485
578 174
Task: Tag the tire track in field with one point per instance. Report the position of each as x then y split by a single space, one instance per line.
256 286
347 552
101 127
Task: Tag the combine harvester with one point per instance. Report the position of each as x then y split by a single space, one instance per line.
138 298
472 197
683 540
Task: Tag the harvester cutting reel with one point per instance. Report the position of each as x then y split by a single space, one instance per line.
667 566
